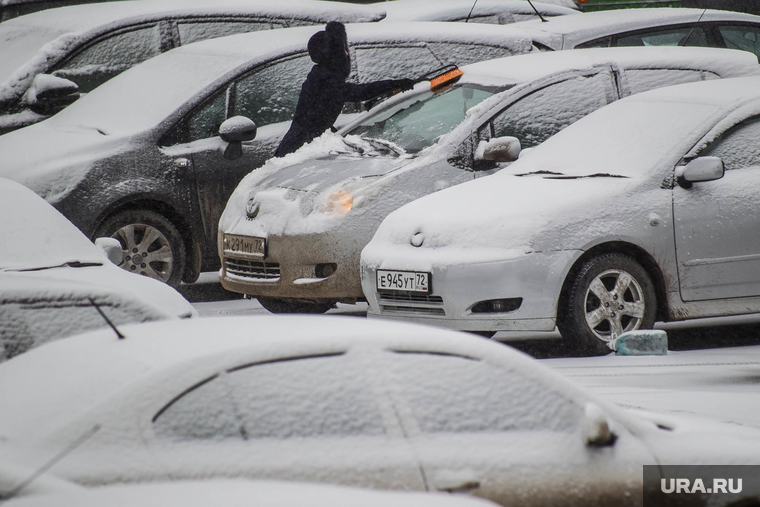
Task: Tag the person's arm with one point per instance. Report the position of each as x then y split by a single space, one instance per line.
353 92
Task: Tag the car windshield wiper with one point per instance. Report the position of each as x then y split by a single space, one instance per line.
540 173
385 147
69 264
595 175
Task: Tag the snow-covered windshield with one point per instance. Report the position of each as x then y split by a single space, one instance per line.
422 119
19 44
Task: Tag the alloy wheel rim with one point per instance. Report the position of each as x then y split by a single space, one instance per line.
147 251
614 304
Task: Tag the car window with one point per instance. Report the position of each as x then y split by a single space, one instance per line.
541 114
746 38
269 94
640 80
197 30
394 62
681 36
456 394
306 397
738 146
107 57
465 54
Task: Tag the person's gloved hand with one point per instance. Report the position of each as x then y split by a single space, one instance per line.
405 84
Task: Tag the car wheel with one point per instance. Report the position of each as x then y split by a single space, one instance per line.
274 305
151 244
609 295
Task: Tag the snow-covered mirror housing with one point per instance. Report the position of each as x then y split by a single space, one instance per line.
50 94
701 169
235 131
499 149
596 429
112 249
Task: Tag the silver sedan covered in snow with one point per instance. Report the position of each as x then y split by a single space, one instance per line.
293 231
336 400
625 218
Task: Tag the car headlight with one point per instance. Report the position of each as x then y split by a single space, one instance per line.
338 202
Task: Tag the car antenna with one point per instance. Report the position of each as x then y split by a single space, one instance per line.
47 466
471 9
685 39
537 13
108 321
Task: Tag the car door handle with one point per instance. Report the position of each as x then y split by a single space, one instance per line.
459 481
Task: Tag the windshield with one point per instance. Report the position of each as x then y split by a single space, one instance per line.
421 120
19 45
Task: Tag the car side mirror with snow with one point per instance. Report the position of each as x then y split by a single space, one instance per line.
112 249
596 429
498 149
700 169
235 131
50 94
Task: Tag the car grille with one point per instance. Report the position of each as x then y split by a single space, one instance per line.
409 302
253 269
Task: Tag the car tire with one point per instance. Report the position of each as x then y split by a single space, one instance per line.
587 315
152 245
274 305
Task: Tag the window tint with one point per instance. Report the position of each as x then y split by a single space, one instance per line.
464 54
310 397
746 38
394 62
191 31
604 42
738 147
270 94
640 80
455 394
681 36
541 114
107 57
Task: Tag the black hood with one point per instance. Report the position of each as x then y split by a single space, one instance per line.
328 48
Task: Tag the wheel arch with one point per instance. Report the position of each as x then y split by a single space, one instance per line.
189 236
621 247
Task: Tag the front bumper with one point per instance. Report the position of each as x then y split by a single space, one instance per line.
456 288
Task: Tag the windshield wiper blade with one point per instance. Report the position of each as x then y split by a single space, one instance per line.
385 146
69 264
540 173
595 175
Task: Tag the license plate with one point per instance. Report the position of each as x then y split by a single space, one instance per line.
411 281
245 245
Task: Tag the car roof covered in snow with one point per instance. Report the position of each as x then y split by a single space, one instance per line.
147 93
591 25
89 369
446 10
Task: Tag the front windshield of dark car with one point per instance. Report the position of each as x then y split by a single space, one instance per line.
421 120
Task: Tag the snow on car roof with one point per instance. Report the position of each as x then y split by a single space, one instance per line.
528 67
44 36
440 10
244 493
73 375
145 94
36 234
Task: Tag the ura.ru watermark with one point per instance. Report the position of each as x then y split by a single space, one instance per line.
714 485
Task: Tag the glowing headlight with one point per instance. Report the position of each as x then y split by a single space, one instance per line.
339 202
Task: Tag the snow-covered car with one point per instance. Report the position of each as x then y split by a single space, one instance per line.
623 219
242 493
293 231
54 282
338 400
144 149
49 58
648 27
497 12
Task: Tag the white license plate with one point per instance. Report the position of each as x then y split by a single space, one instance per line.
245 245
411 281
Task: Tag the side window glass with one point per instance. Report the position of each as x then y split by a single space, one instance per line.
99 62
270 94
604 42
457 395
192 31
738 146
681 36
204 413
464 54
374 63
202 122
640 80
541 114
746 38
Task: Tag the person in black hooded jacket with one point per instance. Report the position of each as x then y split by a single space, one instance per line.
325 89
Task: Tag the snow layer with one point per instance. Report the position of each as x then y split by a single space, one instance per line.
503 12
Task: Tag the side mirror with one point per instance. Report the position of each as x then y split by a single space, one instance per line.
50 94
596 429
499 149
112 249
700 169
234 131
